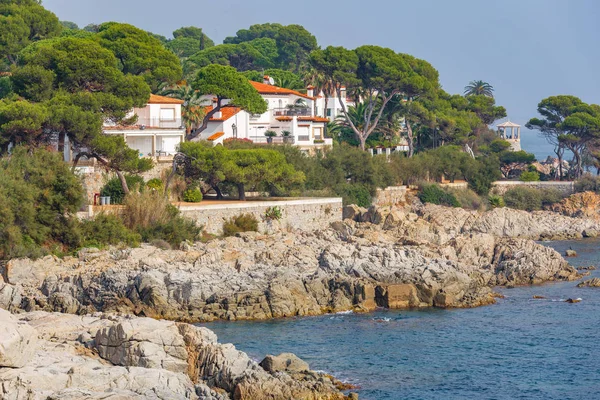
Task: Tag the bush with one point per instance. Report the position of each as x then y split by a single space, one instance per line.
436 195
107 229
155 184
524 198
354 194
529 176
192 195
588 183
496 201
241 223
114 189
551 196
153 217
273 213
468 199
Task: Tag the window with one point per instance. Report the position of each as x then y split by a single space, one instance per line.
167 114
329 112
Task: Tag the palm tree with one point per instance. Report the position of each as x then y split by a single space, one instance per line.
479 88
192 111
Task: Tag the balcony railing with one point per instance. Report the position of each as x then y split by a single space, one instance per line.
149 123
292 112
276 139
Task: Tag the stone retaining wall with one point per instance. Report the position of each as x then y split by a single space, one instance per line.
501 187
390 196
300 214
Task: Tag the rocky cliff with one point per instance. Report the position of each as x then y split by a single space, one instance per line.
60 356
393 257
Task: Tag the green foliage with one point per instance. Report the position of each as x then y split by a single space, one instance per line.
523 198
139 53
39 196
468 199
23 22
193 195
150 214
588 183
274 213
509 157
155 184
69 25
496 201
240 223
529 176
5 87
282 78
270 133
479 88
114 189
354 194
188 41
436 195
551 196
107 230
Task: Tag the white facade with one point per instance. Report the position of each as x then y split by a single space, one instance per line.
159 128
333 108
287 110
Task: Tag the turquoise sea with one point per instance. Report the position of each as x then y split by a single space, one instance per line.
520 348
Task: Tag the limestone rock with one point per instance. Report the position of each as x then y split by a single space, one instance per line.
286 362
18 341
570 253
594 282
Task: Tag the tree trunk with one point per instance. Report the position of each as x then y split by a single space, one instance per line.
326 97
411 140
61 143
241 191
194 133
123 182
219 193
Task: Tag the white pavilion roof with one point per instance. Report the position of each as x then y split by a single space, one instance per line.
508 124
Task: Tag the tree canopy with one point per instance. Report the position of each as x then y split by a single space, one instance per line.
479 88
139 53
225 83
23 22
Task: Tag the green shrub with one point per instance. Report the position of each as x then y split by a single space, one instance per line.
551 196
523 198
241 223
354 194
114 189
192 195
273 213
496 201
588 183
436 195
529 176
468 199
107 229
155 184
153 217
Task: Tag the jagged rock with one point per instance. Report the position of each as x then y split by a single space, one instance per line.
18 341
353 212
590 233
594 282
570 253
286 362
572 301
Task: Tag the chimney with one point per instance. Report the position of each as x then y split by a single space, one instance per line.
310 91
267 80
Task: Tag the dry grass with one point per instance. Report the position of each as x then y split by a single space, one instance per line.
146 209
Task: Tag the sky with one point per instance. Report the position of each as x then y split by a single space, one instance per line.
526 49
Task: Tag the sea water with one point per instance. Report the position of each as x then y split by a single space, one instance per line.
520 348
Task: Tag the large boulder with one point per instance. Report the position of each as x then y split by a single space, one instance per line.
18 341
285 362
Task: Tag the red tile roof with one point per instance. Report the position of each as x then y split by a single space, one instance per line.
215 136
313 119
156 99
226 113
283 118
263 88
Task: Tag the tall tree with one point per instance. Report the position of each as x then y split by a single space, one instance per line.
192 32
78 85
381 73
479 88
139 53
23 22
554 110
225 83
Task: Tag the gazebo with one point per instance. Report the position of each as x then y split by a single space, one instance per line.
510 132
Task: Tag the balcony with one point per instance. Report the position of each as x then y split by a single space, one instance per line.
276 139
292 112
151 123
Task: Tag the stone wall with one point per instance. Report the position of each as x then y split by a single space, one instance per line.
93 179
300 214
390 196
501 187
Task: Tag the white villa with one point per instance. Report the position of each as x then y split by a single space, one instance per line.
332 109
159 128
288 111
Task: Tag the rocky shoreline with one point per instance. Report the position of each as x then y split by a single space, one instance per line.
80 327
422 256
